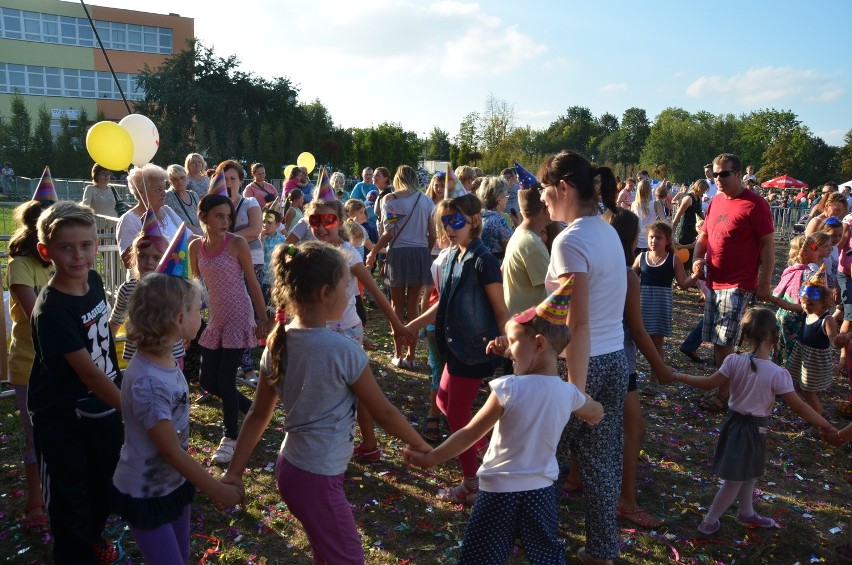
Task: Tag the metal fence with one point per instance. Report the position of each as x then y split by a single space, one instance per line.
786 220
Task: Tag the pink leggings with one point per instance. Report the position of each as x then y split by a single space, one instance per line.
455 400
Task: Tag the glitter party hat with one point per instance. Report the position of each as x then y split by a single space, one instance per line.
175 260
525 178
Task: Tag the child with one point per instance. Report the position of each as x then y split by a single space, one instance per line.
26 275
293 209
437 360
811 361
324 219
320 376
356 212
802 254
271 238
469 313
741 450
224 261
517 498
657 268
155 475
145 254
74 395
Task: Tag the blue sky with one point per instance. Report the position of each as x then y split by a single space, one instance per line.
422 63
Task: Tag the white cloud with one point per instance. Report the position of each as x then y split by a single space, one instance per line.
767 85
831 136
614 88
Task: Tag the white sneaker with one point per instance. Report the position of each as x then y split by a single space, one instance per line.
225 451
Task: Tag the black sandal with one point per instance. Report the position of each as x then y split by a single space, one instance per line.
432 429
713 401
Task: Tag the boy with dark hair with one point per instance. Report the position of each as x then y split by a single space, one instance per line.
74 388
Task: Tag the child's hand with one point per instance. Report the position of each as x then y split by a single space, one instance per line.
831 436
498 346
262 330
405 335
667 376
228 496
418 458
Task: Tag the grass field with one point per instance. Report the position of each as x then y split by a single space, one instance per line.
805 487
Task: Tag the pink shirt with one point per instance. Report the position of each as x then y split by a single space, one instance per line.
753 394
255 191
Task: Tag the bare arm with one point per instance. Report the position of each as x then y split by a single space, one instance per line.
494 292
580 346
681 208
26 297
386 414
252 231
93 378
383 241
427 317
683 281
359 271
239 248
164 436
698 253
712 382
800 407
462 439
591 412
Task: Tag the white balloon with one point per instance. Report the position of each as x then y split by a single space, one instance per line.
146 138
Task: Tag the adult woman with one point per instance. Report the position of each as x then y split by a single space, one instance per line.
196 168
493 192
689 211
645 207
148 186
99 195
407 215
835 206
259 189
589 249
184 202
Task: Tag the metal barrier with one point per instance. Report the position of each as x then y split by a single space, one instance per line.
785 220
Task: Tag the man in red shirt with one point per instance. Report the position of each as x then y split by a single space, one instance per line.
737 238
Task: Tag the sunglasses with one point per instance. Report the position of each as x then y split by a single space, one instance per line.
811 292
456 221
328 221
723 174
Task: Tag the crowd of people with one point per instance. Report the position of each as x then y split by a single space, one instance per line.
543 286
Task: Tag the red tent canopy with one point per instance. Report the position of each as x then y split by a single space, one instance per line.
784 181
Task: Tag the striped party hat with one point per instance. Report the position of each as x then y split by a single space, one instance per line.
553 309
45 192
326 193
218 186
150 225
175 260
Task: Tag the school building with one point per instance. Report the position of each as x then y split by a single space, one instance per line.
49 54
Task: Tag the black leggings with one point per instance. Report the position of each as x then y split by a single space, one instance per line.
219 377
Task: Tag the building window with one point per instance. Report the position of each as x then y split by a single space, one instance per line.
70 83
66 30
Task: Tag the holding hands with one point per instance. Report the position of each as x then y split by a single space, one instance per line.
230 493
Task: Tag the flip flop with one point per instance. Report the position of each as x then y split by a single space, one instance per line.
35 523
638 517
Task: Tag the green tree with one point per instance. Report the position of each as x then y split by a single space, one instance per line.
438 145
636 128
843 159
19 137
757 130
577 130
387 145
42 140
496 122
679 142
65 154
467 139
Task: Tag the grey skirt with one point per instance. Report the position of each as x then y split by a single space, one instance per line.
409 266
741 451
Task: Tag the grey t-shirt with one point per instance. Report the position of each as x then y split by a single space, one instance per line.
149 394
317 398
402 213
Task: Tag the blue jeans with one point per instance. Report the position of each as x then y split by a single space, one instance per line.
693 340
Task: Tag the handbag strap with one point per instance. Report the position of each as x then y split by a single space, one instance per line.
115 194
405 223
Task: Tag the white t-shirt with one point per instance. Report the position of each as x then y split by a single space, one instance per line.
241 221
350 315
534 406
644 222
129 226
590 245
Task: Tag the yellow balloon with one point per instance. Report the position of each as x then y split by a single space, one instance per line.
287 170
110 146
306 160
683 254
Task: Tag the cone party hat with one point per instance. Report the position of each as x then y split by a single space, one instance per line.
525 178
218 186
554 308
46 192
175 260
326 193
150 225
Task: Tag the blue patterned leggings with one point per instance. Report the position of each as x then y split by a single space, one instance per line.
599 451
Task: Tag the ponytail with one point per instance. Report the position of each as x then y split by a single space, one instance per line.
608 187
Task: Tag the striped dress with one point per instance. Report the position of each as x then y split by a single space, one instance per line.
811 359
655 294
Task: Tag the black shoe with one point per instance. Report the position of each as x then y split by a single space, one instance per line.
692 355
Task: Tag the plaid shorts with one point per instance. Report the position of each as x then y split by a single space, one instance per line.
723 311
